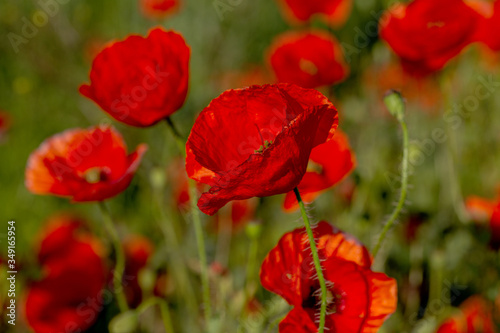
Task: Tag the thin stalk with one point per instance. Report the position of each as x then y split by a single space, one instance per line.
317 263
198 228
200 242
120 257
178 267
396 106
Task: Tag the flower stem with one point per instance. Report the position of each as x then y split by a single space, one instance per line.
177 136
317 263
198 228
201 250
120 257
404 180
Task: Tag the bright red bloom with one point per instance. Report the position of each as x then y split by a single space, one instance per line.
256 142
490 23
83 165
329 163
159 9
426 34
484 211
359 300
73 275
308 59
334 12
475 317
138 250
140 81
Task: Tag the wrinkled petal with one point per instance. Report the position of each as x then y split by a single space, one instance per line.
226 146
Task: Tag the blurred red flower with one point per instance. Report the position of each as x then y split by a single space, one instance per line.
73 282
158 9
484 211
140 81
333 12
489 24
426 34
308 59
82 164
329 163
256 142
359 300
138 250
475 317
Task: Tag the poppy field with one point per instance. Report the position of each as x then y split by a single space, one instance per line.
237 166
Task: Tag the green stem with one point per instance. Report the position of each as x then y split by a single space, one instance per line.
178 137
178 265
120 258
317 263
198 228
404 189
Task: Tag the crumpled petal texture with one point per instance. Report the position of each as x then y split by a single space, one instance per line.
226 146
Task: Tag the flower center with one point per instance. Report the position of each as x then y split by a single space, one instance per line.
437 24
96 175
308 66
334 300
263 147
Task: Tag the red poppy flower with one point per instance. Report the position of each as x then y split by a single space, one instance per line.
475 317
490 24
140 81
308 59
66 297
359 300
158 9
256 142
83 165
426 34
329 163
137 250
334 12
484 211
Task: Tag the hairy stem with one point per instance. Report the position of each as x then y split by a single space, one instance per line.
317 263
